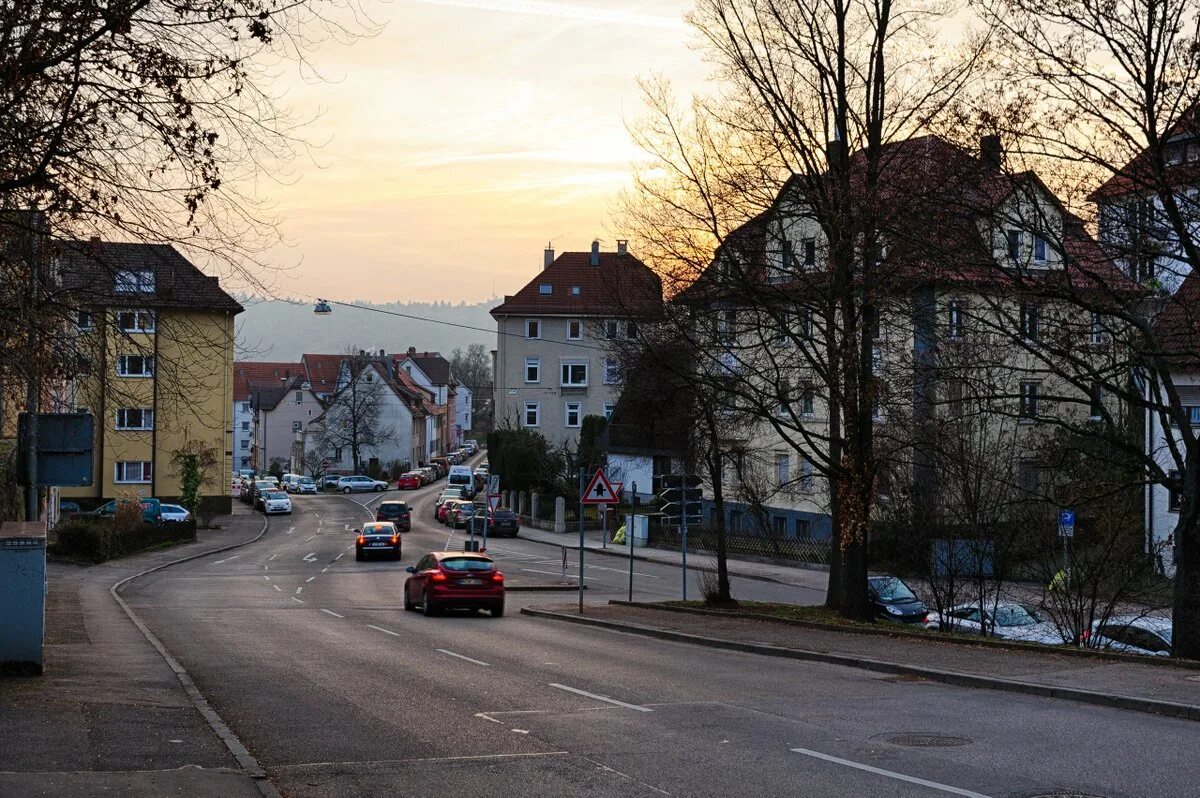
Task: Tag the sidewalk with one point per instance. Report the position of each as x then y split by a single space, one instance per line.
109 716
769 572
1160 689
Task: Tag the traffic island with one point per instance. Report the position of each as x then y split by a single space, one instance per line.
1131 685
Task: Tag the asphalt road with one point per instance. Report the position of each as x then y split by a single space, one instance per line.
311 659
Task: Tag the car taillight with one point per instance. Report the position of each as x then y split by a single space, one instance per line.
395 539
497 577
361 540
438 576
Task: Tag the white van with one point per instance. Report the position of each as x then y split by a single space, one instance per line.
460 477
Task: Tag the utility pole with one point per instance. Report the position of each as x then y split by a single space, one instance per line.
33 383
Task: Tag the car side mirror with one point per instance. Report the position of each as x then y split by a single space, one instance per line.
410 569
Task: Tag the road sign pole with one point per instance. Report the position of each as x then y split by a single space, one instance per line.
604 526
629 525
581 498
683 547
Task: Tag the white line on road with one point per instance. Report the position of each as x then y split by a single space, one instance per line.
301 601
460 656
385 631
309 579
267 578
334 614
273 556
277 587
290 530
266 567
326 568
890 774
604 698
298 590
227 559
310 557
340 556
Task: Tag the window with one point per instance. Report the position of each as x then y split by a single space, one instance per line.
245 407
1096 397
787 258
631 330
954 398
1014 245
1039 249
806 476
533 414
533 369
611 329
84 320
954 325
785 399
782 467
779 526
245 426
133 471
533 328
726 324
299 397
810 252
612 371
297 426
1173 498
246 443
803 528
806 325
135 418
808 404
1096 334
135 366
134 281
1029 399
574 375
574 290
609 407
574 330
876 360
135 321
1029 321
545 289
574 413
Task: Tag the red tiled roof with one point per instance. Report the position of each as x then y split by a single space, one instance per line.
620 286
261 374
1138 175
1178 325
322 371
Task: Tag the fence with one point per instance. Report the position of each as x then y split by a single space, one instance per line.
774 547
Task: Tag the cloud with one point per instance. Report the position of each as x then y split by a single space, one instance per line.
549 8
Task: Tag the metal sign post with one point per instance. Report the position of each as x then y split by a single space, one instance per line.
598 491
683 548
1066 531
581 498
629 525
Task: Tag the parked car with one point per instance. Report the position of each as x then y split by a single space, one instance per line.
441 463
67 508
481 470
463 511
151 510
381 537
460 477
175 514
1007 620
894 601
306 485
448 510
261 488
471 444
276 501
454 579
360 484
1133 634
409 481
503 522
290 482
328 481
446 495
397 512
431 474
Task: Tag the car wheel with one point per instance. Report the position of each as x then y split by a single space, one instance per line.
427 608
346 490
408 605
358 555
378 488
498 610
397 553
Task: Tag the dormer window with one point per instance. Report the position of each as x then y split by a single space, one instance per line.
134 281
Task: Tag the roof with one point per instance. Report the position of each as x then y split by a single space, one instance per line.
436 367
89 270
621 285
260 374
322 371
1178 325
1139 174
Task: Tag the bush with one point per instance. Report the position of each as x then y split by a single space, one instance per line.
128 515
88 539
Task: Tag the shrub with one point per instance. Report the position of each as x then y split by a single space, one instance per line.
84 539
128 514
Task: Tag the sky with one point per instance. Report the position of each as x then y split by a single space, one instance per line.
465 135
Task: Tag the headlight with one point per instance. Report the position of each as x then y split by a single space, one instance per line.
892 610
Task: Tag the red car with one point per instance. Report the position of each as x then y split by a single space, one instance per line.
454 579
409 481
444 508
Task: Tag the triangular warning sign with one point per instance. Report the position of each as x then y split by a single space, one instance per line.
599 491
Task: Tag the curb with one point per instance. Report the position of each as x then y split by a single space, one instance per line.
902 633
543 588
1151 706
243 756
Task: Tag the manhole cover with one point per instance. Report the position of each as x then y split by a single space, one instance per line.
922 740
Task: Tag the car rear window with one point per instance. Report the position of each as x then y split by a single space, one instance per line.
393 507
466 564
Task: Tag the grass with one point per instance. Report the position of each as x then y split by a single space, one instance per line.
790 612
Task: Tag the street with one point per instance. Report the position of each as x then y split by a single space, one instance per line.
314 664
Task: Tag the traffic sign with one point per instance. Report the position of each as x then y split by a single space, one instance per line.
599 490
493 483
493 501
618 487
682 498
1066 523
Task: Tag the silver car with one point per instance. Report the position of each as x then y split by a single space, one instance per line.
360 484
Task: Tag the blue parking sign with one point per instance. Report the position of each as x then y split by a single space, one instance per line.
1066 518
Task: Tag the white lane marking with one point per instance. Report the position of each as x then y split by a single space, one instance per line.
310 557
603 698
310 537
334 614
340 765
326 568
309 579
340 556
300 601
447 546
266 567
520 731
291 529
552 573
298 590
460 656
933 785
267 578
227 559
350 547
273 556
289 548
385 631
277 587
487 717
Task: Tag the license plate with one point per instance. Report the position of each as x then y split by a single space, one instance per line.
470 581
378 545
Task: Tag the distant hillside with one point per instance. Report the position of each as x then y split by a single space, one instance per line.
278 330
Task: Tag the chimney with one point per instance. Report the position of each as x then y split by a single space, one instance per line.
595 253
95 239
622 246
547 256
383 353
991 151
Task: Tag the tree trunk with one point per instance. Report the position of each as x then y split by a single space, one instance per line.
1185 641
855 503
724 595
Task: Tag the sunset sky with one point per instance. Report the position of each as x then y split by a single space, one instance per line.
464 136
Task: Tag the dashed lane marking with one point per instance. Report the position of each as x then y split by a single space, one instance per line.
306 581
891 774
300 601
277 587
460 656
385 631
227 559
334 614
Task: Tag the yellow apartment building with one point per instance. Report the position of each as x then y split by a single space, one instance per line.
155 343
